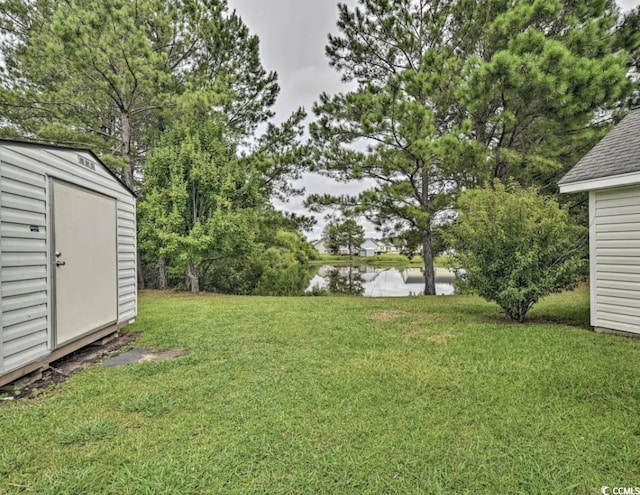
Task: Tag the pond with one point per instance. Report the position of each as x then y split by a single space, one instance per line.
377 281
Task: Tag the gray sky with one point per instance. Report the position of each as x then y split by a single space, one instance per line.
293 35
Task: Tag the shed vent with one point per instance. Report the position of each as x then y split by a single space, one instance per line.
86 163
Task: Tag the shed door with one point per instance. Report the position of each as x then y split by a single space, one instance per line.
84 260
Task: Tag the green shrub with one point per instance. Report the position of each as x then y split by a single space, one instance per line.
282 274
516 246
316 290
278 270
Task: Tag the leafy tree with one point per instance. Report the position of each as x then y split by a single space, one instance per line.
276 265
114 75
449 94
516 246
346 234
282 274
199 201
205 216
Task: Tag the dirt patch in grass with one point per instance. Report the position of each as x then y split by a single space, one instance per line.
414 334
390 314
163 355
60 370
442 338
142 355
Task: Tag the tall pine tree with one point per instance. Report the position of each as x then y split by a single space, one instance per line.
449 94
106 73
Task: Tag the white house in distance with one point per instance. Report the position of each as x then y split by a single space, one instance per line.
610 173
391 248
369 248
320 246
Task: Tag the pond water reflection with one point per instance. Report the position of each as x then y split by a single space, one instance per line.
376 281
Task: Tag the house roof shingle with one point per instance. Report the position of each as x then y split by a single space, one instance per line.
617 153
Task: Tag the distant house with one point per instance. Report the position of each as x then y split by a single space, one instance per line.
344 251
610 173
370 244
366 253
369 248
390 248
320 246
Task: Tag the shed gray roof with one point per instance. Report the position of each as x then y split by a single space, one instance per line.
616 154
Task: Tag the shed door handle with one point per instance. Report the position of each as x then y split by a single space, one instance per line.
60 263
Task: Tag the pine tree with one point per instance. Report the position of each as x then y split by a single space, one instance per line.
346 234
450 94
107 73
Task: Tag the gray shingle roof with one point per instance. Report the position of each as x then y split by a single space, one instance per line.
616 154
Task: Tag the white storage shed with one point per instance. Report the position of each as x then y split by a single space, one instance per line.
67 254
610 173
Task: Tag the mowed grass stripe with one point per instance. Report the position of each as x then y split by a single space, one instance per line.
340 395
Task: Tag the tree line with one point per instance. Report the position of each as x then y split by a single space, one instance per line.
451 95
170 95
447 96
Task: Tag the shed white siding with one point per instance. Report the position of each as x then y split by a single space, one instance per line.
25 243
615 277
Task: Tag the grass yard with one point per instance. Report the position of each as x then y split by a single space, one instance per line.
340 395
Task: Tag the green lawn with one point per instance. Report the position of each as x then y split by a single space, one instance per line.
340 395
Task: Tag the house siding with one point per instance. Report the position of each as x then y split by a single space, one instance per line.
25 313
616 226
320 247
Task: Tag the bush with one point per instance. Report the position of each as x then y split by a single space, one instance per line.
277 267
234 275
265 272
282 274
516 246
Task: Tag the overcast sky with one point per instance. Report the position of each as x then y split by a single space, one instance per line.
293 35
